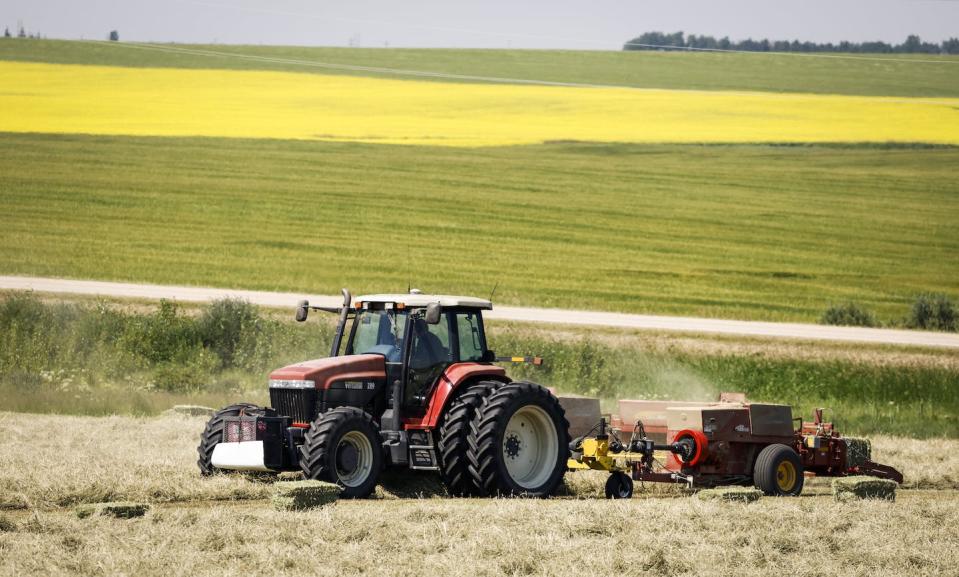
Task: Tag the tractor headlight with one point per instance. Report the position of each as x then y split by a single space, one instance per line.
290 384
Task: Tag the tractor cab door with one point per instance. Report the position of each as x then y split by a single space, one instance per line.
429 355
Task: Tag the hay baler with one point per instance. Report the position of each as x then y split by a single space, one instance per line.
725 444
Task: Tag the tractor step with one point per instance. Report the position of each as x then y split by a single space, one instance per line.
422 451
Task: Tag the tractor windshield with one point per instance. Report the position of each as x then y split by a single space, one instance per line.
380 332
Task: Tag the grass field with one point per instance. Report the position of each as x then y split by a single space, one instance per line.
755 232
57 98
199 527
867 75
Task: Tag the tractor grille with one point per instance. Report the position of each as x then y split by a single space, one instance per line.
300 404
238 431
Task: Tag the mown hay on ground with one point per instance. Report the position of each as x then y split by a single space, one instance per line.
862 487
858 451
303 495
118 509
734 494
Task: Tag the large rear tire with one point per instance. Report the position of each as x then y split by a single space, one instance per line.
519 442
213 433
453 441
343 446
778 471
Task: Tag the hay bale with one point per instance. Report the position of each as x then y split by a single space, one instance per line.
862 487
118 509
732 494
191 410
303 495
858 451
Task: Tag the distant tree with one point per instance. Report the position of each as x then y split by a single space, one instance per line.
950 46
6 32
22 33
114 36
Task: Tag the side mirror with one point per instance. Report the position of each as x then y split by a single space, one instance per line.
433 313
302 311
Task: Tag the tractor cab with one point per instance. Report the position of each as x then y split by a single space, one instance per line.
419 337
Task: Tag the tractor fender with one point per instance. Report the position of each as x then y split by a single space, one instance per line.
455 376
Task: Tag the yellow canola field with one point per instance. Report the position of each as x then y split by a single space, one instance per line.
53 98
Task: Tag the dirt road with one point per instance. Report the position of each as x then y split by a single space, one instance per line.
557 316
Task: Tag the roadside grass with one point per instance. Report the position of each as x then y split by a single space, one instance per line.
94 357
894 75
153 459
751 232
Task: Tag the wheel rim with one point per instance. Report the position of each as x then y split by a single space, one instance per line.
786 476
530 447
354 459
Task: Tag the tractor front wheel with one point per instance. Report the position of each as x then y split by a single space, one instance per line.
519 442
343 446
778 471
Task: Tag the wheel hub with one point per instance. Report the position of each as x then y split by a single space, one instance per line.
347 458
512 446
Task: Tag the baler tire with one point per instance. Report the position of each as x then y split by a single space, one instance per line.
453 440
767 468
488 445
213 434
619 486
318 453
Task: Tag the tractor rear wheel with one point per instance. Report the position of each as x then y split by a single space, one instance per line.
343 446
213 433
453 441
778 471
519 442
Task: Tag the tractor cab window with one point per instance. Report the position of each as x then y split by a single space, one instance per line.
430 354
380 332
472 341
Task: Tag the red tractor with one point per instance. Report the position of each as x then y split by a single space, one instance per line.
409 383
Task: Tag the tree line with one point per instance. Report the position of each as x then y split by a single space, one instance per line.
678 41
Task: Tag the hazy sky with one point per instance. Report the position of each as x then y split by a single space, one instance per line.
582 24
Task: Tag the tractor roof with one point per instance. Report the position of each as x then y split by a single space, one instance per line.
416 299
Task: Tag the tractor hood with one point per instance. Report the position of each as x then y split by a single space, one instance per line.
324 371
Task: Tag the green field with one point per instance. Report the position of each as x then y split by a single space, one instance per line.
883 75
756 232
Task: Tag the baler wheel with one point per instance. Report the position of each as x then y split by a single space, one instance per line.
778 471
343 446
619 486
453 441
519 442
213 434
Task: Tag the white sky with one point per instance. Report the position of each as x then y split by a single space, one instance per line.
582 24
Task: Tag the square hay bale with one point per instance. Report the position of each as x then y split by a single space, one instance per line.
303 495
858 451
191 410
732 494
118 509
862 487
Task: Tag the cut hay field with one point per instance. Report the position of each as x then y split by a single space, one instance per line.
221 524
58 98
